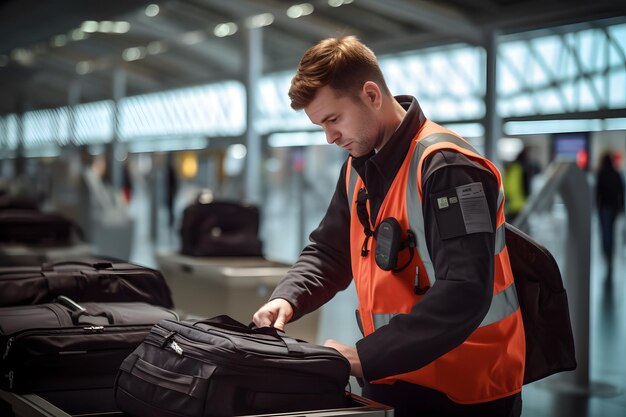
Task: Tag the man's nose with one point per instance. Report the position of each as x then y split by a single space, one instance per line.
332 136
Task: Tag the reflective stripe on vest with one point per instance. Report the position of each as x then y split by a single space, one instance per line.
503 303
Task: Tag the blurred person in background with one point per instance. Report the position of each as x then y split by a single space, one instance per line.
516 184
610 203
434 344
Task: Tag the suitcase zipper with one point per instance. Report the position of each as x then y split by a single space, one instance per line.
94 329
69 331
217 359
271 341
166 335
176 348
159 337
6 350
10 375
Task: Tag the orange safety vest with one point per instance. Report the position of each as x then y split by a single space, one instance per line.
490 363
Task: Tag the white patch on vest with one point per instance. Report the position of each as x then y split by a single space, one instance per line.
442 202
474 208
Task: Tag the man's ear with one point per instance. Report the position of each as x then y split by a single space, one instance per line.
372 94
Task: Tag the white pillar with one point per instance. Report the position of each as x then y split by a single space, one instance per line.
254 64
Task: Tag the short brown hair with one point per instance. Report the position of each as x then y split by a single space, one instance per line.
344 64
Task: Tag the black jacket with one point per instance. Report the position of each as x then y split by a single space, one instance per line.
460 298
610 189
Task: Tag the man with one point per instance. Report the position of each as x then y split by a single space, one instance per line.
516 185
417 219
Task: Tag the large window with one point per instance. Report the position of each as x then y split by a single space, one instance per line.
549 72
557 71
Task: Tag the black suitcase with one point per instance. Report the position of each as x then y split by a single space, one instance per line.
36 228
221 228
97 280
16 201
220 367
70 353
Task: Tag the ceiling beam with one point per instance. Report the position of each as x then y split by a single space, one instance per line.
311 26
538 14
219 53
432 16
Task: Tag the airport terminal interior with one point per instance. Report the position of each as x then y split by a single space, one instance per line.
124 115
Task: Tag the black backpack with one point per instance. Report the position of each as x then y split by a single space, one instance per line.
543 302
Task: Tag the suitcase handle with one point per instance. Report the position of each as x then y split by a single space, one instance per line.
71 304
76 310
97 264
227 322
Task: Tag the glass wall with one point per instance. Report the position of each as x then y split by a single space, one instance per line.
542 75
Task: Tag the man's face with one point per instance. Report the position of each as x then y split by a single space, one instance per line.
348 122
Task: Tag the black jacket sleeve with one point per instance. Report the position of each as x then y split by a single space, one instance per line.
323 267
462 292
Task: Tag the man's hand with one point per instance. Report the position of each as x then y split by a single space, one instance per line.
275 313
350 354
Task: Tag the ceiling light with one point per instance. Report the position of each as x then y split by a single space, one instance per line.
23 56
225 29
152 10
156 47
260 20
89 26
59 40
78 35
83 67
121 27
192 38
133 54
299 10
106 26
237 151
337 3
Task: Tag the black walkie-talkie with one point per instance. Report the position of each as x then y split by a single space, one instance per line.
388 243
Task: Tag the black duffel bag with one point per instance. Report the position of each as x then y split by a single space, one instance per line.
37 228
220 228
98 280
220 367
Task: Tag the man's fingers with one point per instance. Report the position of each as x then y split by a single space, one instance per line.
262 318
276 313
280 325
260 321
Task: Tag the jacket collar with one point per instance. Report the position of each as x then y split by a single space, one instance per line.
388 160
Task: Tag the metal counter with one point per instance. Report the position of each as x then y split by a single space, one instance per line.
210 286
31 405
22 255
